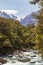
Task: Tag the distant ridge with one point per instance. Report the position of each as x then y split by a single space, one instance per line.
25 21
28 19
7 15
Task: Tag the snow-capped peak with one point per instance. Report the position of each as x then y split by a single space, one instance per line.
8 14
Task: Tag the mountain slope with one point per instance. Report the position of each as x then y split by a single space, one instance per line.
6 15
28 19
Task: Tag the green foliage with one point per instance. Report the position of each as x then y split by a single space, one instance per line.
40 2
39 27
16 36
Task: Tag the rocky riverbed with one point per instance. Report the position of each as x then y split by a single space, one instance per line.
30 57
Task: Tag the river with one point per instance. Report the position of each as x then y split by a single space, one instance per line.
25 58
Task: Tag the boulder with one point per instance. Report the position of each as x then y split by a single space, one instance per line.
24 59
2 60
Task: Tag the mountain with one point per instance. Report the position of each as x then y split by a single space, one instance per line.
7 15
11 14
28 19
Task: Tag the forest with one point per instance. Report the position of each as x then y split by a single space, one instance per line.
14 36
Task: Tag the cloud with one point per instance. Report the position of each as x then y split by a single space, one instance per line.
10 11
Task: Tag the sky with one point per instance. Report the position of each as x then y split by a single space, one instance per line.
22 7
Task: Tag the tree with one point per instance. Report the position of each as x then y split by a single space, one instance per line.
29 36
39 27
40 2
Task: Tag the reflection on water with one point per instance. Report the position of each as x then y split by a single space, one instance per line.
35 59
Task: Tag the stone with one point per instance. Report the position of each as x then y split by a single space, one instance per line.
2 60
